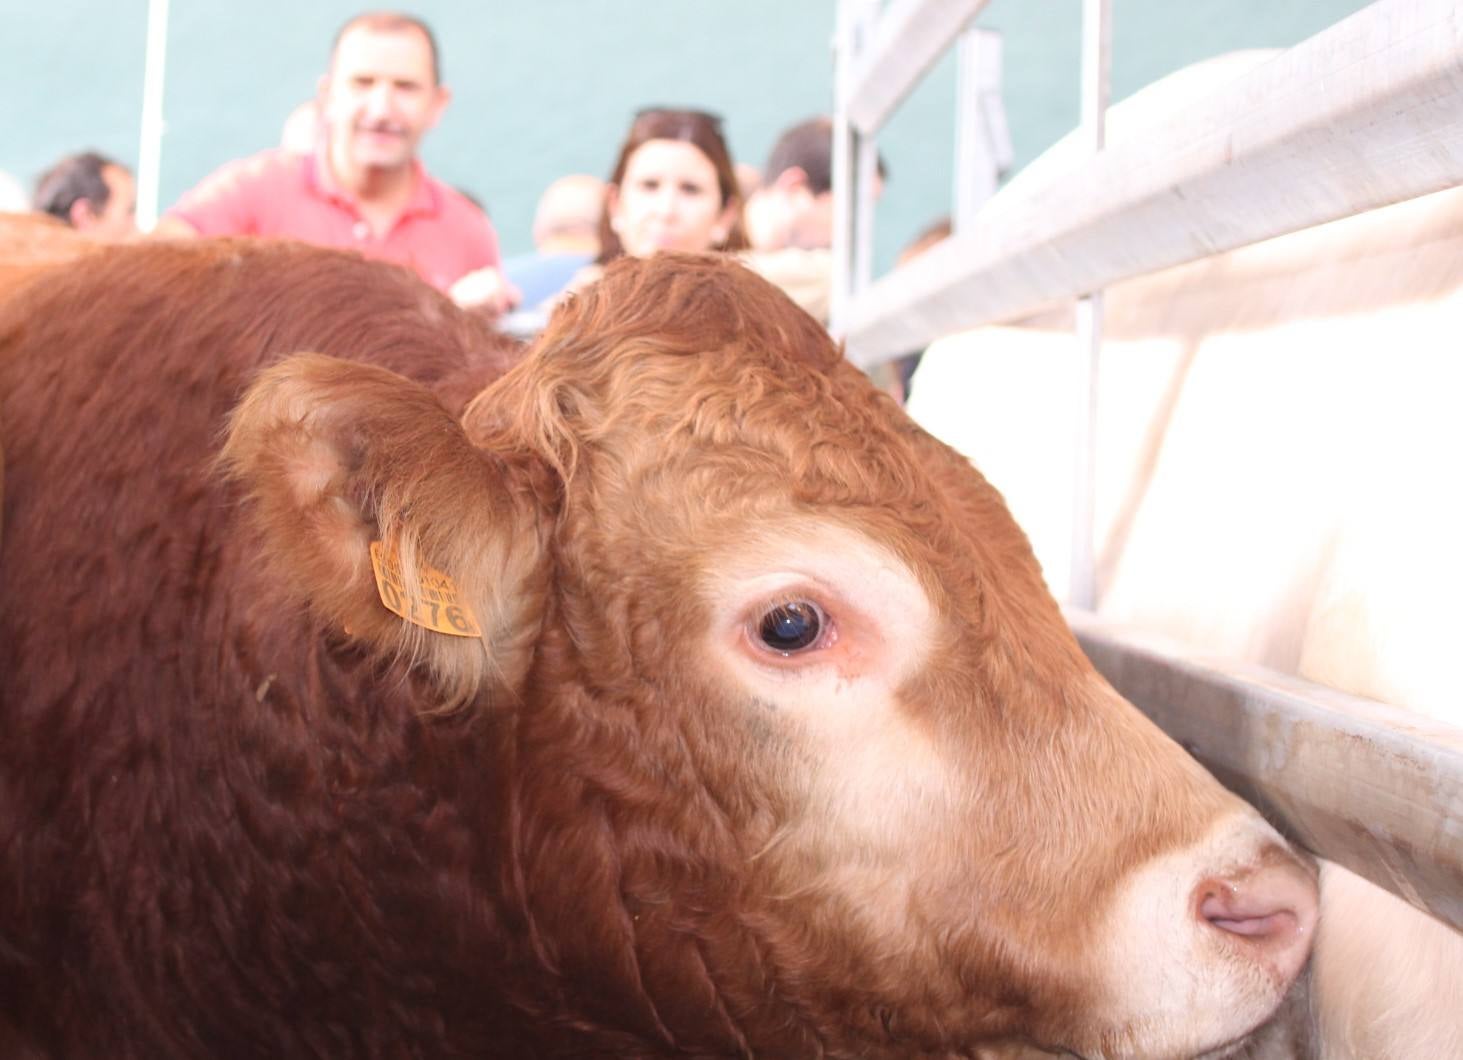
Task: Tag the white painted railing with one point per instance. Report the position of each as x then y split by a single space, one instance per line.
1375 788
150 146
1366 113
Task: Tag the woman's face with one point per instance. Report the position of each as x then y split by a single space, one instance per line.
668 199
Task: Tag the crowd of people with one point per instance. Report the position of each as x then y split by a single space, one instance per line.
347 173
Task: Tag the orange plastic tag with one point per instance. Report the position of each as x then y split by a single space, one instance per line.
439 608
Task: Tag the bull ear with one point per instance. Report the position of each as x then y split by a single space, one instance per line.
343 460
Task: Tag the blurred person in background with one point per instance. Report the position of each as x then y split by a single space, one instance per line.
363 187
790 217
92 193
565 238
793 207
672 188
749 179
301 129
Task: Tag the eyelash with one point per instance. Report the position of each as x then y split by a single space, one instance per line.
756 626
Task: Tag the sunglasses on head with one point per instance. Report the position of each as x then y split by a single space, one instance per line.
687 113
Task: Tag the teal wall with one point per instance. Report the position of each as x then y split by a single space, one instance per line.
547 87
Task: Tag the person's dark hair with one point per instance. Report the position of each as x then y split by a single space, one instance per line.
392 22
74 178
808 145
696 127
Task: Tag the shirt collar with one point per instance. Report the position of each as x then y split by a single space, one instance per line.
321 182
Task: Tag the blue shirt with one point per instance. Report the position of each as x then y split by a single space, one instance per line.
542 276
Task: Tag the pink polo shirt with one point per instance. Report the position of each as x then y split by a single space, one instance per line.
440 234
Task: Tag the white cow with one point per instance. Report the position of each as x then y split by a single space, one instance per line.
1278 441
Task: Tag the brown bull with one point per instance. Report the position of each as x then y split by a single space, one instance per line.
30 242
764 737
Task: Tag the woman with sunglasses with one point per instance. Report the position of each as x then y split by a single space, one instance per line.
673 187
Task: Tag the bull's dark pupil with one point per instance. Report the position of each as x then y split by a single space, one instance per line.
790 627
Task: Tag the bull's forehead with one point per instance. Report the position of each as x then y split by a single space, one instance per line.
734 396
757 436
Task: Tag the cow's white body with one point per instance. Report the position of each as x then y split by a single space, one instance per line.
1278 441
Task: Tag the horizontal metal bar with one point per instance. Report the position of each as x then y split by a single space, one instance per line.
1366 113
907 40
1366 785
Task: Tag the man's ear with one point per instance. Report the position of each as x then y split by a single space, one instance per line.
81 215
379 515
792 180
323 119
439 106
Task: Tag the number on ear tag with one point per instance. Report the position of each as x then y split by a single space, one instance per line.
439 607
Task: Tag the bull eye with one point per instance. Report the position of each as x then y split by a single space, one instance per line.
792 627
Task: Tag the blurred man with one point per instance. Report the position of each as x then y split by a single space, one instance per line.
363 187
92 193
301 129
565 238
794 205
749 179
790 224
790 217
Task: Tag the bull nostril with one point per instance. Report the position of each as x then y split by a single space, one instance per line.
1272 907
1229 912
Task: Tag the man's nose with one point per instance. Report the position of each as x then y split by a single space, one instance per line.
379 99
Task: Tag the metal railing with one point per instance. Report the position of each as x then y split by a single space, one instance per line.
1366 113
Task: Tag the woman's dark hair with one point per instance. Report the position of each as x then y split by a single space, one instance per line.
702 130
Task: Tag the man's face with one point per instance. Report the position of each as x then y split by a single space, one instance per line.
813 216
118 218
794 215
380 97
813 223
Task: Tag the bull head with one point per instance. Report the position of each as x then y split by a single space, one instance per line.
807 760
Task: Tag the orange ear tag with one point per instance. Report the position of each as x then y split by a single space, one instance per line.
440 606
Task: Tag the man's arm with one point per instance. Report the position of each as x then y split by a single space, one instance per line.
170 227
225 203
487 290
484 287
